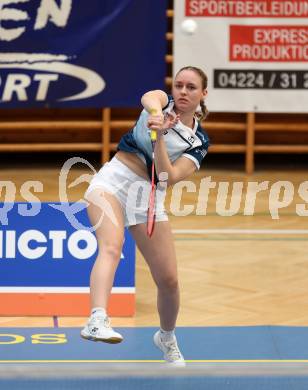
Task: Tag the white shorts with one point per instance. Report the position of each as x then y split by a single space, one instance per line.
131 190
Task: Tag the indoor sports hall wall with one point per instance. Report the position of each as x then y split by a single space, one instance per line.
98 129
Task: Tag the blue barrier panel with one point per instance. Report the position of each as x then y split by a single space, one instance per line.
41 253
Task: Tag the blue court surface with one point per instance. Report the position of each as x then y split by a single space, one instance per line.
261 357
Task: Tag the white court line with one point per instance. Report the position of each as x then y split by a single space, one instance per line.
240 231
62 290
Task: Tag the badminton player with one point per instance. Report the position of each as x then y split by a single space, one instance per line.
181 144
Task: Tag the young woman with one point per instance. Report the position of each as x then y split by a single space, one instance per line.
180 147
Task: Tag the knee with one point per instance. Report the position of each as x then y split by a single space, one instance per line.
112 251
168 283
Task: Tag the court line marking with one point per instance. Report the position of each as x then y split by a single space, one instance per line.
61 290
232 238
242 214
240 231
162 361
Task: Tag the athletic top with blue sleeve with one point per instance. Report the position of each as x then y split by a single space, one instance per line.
180 140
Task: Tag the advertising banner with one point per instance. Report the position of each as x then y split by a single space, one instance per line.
65 53
254 52
45 263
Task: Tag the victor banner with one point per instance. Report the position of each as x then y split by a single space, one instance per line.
45 262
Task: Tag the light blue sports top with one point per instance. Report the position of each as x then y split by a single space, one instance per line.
180 140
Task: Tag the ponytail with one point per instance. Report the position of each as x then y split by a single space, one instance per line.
204 111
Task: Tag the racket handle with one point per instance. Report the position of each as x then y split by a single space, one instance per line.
153 111
153 135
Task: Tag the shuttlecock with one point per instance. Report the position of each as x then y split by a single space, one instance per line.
189 26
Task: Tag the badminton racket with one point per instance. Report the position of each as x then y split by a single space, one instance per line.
151 207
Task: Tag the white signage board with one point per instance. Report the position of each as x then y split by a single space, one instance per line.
255 52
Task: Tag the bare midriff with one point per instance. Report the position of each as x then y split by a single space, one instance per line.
133 162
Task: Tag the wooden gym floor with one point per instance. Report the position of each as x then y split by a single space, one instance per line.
234 270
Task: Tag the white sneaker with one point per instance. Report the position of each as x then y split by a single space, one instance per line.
98 329
171 351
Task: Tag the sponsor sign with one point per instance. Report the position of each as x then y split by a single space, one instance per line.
254 52
59 53
44 256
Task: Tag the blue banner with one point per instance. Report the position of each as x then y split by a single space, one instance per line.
65 53
40 247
